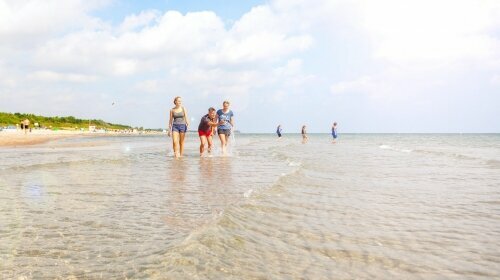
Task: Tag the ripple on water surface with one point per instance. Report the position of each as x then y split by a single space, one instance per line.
276 209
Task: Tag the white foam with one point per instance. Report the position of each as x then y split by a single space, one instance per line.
387 147
248 193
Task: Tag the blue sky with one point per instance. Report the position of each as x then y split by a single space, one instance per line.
389 66
228 10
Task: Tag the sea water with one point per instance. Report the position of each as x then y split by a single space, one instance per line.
400 206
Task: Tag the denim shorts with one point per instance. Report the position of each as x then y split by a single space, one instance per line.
226 132
181 128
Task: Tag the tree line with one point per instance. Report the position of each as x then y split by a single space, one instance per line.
68 122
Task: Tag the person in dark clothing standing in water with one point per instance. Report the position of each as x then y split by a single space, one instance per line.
304 134
278 130
206 130
334 131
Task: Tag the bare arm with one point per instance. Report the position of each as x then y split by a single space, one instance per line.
170 123
213 123
185 116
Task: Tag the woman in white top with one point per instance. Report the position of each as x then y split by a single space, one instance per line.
226 124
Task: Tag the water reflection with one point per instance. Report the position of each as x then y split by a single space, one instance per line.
207 171
216 179
177 171
176 179
198 191
225 172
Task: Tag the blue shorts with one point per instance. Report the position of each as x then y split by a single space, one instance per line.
334 136
226 132
181 128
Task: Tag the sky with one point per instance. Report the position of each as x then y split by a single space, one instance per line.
372 66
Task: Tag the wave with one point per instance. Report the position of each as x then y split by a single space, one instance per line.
205 249
64 162
493 163
490 162
387 147
294 163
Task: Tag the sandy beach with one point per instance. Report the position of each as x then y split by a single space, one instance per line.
18 138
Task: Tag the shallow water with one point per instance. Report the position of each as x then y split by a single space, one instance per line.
368 206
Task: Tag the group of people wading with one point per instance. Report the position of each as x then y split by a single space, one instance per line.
220 121
279 130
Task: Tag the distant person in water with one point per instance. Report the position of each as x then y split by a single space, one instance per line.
304 134
178 125
278 130
206 130
226 124
25 125
334 131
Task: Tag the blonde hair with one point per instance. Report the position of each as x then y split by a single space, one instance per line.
175 99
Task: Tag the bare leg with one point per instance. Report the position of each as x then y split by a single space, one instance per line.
181 142
223 142
175 143
210 144
203 143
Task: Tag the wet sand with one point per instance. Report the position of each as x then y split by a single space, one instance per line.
18 138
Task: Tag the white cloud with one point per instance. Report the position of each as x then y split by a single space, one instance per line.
51 76
8 79
444 30
267 53
172 39
362 84
23 23
495 80
151 86
133 22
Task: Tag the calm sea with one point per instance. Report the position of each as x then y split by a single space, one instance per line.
369 206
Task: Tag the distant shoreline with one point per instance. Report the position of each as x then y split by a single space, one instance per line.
18 138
